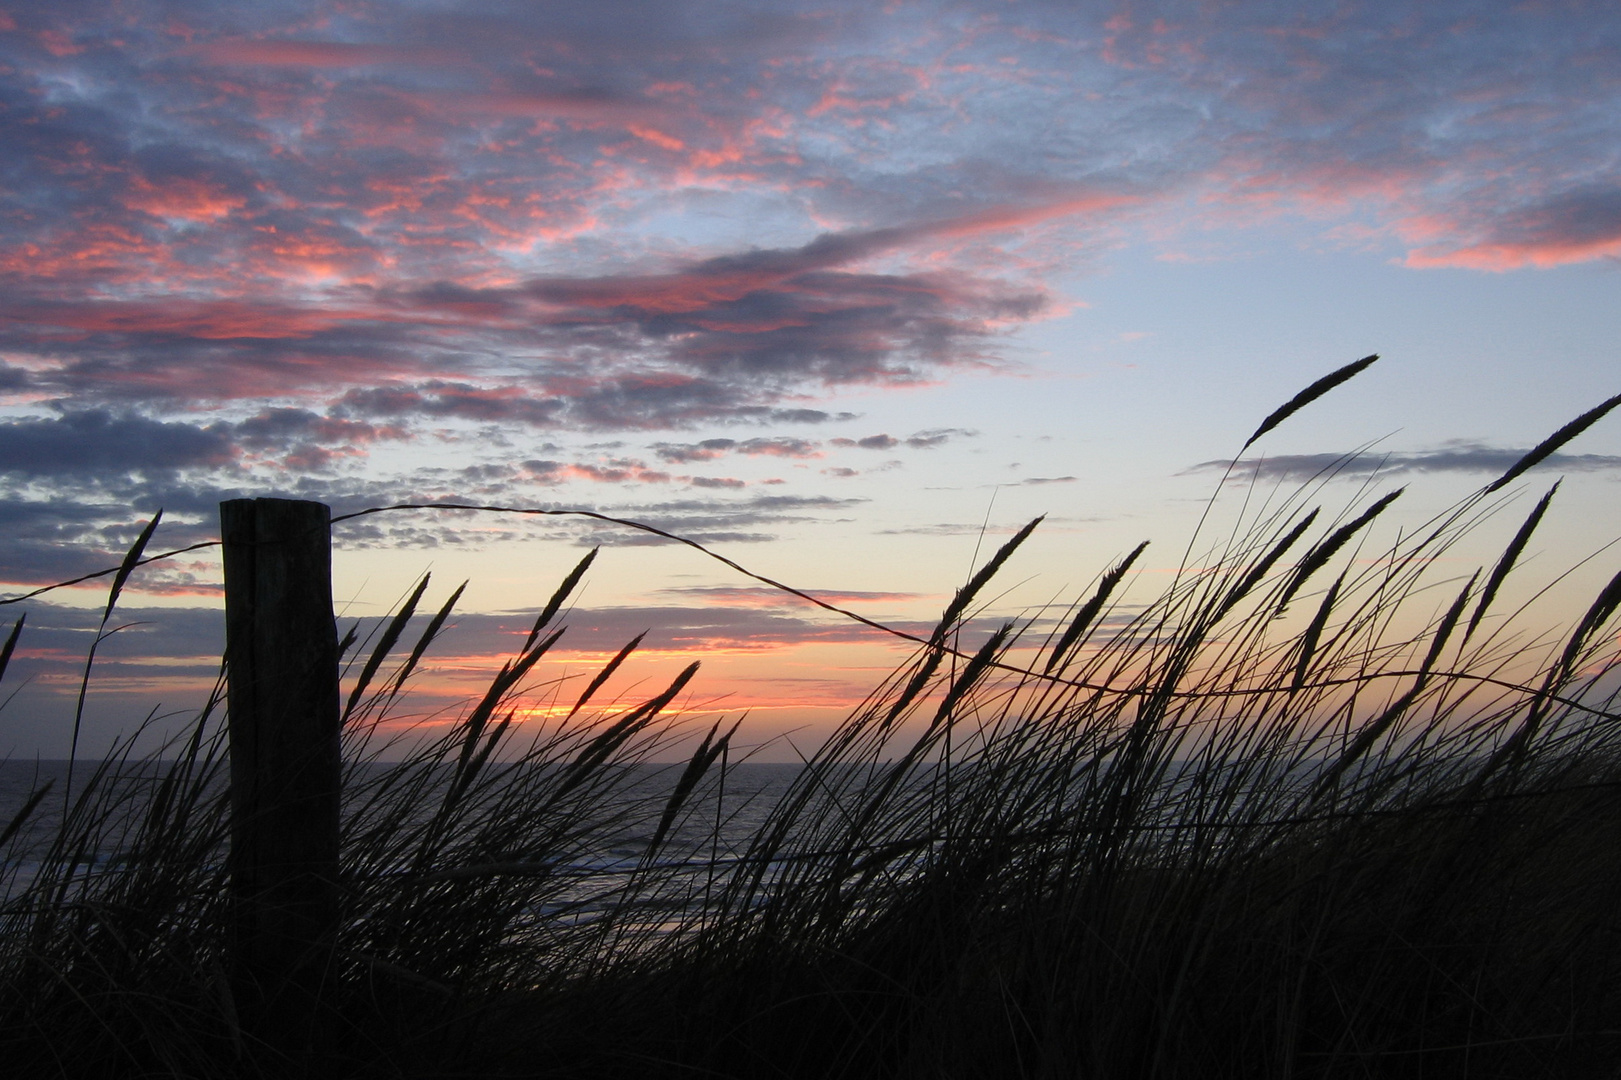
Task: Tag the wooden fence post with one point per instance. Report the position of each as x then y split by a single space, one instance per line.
281 650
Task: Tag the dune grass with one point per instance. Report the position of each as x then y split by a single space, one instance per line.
1319 808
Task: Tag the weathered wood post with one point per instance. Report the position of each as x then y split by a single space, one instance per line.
281 650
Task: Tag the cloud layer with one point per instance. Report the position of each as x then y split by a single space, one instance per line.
1460 458
339 251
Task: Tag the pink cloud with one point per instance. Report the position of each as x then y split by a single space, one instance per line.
314 54
488 215
622 471
594 107
192 200
202 319
1571 227
1499 258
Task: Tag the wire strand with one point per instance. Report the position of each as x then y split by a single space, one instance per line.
1079 684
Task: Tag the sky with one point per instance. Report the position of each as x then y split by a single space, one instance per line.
846 292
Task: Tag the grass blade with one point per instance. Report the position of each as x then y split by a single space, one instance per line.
965 595
1372 732
11 644
349 638
21 816
1555 441
702 758
1318 556
1309 395
509 676
1313 634
131 558
427 637
1083 618
1261 568
971 674
384 644
606 673
1603 607
599 749
1506 563
1517 746
560 596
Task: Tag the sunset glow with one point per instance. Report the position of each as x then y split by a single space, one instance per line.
845 292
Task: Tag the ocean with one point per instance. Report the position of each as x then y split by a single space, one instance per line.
715 826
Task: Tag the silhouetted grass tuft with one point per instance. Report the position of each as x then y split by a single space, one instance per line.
1194 834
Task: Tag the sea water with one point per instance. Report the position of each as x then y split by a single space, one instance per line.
715 827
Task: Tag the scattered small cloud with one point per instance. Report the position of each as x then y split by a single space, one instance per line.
1460 457
870 442
951 528
711 449
928 440
922 440
685 453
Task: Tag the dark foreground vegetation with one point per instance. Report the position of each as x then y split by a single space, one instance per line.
1321 808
